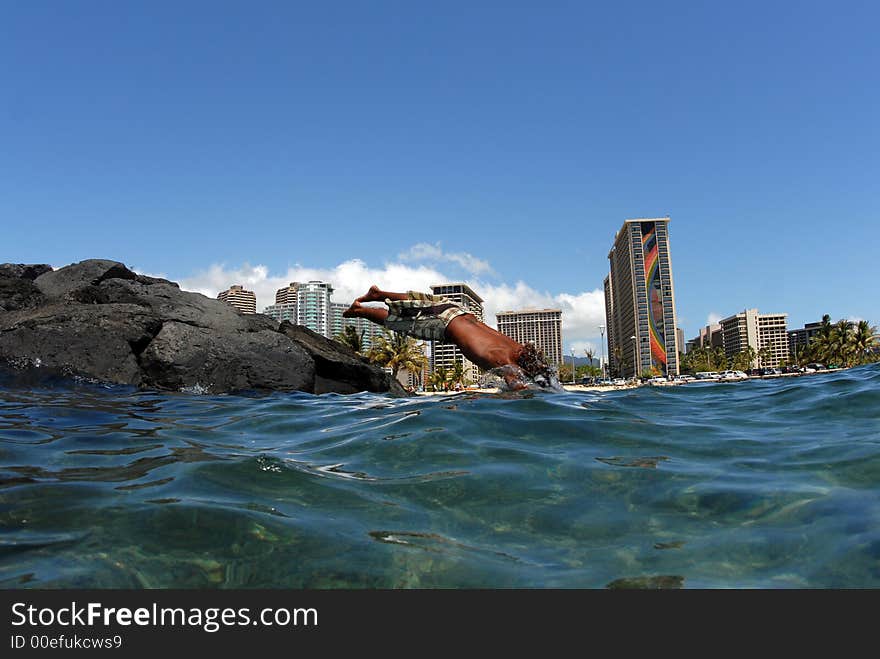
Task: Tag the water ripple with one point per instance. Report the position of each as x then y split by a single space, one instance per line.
768 483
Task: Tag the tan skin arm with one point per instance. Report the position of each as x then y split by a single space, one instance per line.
484 346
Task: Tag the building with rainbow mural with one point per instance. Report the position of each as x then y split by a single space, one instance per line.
640 301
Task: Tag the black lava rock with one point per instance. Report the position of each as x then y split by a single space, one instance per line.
99 320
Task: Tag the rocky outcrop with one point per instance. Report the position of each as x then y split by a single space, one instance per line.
338 368
17 288
99 320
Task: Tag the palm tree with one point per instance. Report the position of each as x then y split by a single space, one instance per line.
438 378
457 374
801 355
765 354
590 354
863 340
820 348
398 351
351 338
717 356
841 342
742 361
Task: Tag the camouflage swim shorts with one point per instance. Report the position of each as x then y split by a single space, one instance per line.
422 316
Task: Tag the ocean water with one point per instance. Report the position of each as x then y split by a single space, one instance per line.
767 484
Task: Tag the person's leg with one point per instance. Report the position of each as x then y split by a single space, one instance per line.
375 294
373 314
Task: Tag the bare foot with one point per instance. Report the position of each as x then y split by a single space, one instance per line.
372 295
352 310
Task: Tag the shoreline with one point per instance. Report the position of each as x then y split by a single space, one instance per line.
579 388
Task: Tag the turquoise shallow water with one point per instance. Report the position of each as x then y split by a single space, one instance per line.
772 484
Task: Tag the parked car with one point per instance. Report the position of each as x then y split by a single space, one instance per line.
708 376
817 367
618 382
657 379
733 376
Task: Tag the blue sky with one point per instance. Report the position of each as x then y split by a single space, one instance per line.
499 142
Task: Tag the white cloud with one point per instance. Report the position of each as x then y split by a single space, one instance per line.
425 252
349 279
582 312
713 318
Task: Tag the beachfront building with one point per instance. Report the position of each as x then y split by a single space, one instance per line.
337 322
238 298
758 331
366 328
281 312
609 313
285 307
413 380
709 337
447 354
305 304
640 301
288 294
313 306
543 327
309 304
800 338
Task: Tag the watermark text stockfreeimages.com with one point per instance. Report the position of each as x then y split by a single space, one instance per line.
209 619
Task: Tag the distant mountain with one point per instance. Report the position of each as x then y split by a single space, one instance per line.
580 361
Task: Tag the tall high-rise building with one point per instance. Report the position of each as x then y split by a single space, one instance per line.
242 300
313 306
337 322
640 300
304 304
609 306
543 327
447 354
765 333
287 295
285 307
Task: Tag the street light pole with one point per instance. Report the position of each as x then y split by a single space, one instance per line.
572 366
602 349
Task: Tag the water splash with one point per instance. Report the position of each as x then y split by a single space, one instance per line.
512 378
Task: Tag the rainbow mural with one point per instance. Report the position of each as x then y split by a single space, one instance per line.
655 298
